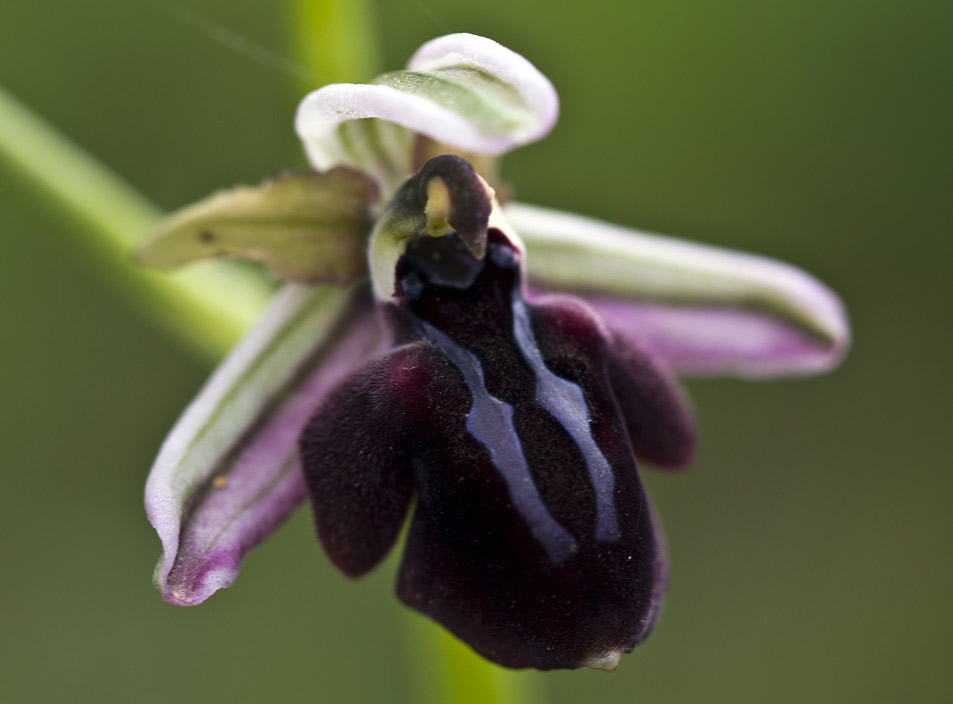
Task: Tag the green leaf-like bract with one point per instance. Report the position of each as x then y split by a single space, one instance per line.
303 226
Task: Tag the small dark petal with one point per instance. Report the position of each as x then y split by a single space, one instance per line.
354 462
657 416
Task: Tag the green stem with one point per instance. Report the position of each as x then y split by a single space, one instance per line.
336 40
448 672
207 307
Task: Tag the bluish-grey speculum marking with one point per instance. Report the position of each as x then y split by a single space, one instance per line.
565 401
491 422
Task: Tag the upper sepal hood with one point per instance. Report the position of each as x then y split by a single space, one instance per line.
466 92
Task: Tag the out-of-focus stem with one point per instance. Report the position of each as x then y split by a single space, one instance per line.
207 307
448 672
336 40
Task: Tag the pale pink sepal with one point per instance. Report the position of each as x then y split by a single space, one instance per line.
219 487
699 341
703 309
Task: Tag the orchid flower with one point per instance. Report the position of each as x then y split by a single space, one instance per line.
507 365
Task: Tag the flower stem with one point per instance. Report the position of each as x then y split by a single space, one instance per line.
207 308
336 40
448 672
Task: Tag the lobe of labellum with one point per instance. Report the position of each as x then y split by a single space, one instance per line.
462 90
228 473
303 226
657 416
656 413
700 309
355 462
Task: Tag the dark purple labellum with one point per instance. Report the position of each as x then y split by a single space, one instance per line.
532 538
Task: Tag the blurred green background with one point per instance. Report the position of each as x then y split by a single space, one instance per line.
810 545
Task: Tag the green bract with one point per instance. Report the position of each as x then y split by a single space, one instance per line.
303 226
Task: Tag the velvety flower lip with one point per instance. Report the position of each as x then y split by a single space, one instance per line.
510 422
508 366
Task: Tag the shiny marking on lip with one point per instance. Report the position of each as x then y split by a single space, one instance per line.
565 401
490 421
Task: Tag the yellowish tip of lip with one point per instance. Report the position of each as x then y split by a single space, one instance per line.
607 661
